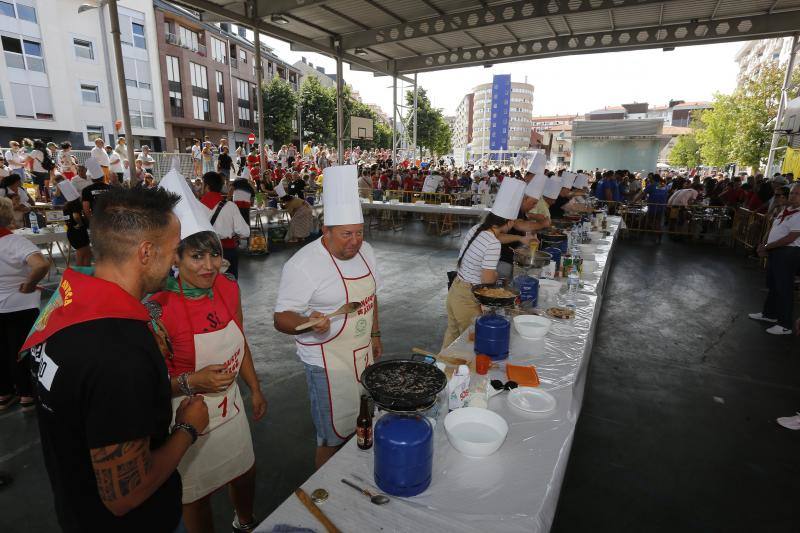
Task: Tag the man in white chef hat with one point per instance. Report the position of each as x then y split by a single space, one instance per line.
320 278
552 196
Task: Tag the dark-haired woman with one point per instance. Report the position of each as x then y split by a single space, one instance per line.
301 220
477 263
201 320
41 164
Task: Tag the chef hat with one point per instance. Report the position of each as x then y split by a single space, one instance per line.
68 190
553 187
340 202
538 162
280 190
581 182
568 179
193 215
536 186
509 198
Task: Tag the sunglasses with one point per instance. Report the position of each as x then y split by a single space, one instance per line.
499 385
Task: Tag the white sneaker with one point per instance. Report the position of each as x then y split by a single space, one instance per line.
790 422
778 330
760 316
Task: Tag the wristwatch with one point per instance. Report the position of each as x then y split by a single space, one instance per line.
188 428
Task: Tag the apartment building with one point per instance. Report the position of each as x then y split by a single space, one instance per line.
208 75
58 74
502 113
755 54
677 113
307 68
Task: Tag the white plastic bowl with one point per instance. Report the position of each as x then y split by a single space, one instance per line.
475 432
532 327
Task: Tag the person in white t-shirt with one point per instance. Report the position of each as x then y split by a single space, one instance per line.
321 277
101 156
432 182
16 158
782 247
22 266
11 188
115 166
148 163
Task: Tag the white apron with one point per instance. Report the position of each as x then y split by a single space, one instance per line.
348 353
224 450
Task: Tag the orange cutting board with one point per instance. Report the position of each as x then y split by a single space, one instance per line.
525 376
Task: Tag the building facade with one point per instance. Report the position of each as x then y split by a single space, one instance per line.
59 80
502 114
677 113
755 54
309 69
208 75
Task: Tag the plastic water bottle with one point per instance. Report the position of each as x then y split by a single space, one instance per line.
34 222
573 281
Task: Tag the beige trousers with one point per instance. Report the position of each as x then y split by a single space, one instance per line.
462 308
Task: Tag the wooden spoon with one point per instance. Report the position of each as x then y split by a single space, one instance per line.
343 310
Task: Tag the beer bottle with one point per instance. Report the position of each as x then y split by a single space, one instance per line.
364 425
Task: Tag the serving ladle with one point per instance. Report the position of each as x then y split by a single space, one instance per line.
346 309
377 499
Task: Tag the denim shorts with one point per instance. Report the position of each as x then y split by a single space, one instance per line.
318 393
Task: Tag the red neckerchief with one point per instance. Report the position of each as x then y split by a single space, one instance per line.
786 214
211 199
5 231
83 298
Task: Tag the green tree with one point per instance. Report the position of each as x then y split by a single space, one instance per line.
717 128
318 111
686 152
432 130
280 110
382 135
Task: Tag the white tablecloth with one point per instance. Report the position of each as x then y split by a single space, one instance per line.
45 236
517 488
467 210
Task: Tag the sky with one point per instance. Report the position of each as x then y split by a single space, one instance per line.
570 84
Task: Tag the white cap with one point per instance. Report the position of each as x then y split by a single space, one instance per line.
280 191
553 187
536 186
509 198
194 216
581 182
68 190
340 202
568 179
538 162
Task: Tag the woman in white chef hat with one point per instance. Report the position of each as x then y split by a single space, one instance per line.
479 256
199 321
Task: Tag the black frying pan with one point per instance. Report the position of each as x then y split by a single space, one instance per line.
403 384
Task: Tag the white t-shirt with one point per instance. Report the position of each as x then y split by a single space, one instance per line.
196 150
781 229
229 222
115 162
14 252
147 161
431 183
683 197
100 155
483 254
16 159
38 157
310 282
4 171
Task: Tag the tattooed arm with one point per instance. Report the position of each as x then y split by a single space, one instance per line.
129 472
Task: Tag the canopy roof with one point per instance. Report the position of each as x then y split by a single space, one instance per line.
402 37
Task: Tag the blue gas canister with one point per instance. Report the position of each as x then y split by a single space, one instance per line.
403 453
492 336
528 290
556 256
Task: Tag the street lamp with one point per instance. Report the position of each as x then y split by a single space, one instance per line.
123 89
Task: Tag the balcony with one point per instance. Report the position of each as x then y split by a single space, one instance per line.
234 63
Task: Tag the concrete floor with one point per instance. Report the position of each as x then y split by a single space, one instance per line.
653 449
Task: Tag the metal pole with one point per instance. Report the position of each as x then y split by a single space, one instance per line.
111 96
339 107
414 116
259 81
787 79
394 121
300 127
123 89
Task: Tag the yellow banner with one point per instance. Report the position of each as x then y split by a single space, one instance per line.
791 162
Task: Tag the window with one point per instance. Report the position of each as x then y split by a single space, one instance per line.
220 87
26 12
200 103
32 101
219 50
188 38
7 9
175 89
137 73
23 54
93 133
83 48
243 93
221 112
141 112
242 56
138 35
90 94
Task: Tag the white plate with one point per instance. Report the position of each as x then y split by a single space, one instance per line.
531 399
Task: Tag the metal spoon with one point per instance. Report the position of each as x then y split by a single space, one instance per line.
377 499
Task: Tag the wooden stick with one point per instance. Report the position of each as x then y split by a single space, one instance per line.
316 511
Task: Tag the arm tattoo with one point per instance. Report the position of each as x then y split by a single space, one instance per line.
120 468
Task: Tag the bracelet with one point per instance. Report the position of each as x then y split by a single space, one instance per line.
375 333
183 384
188 428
